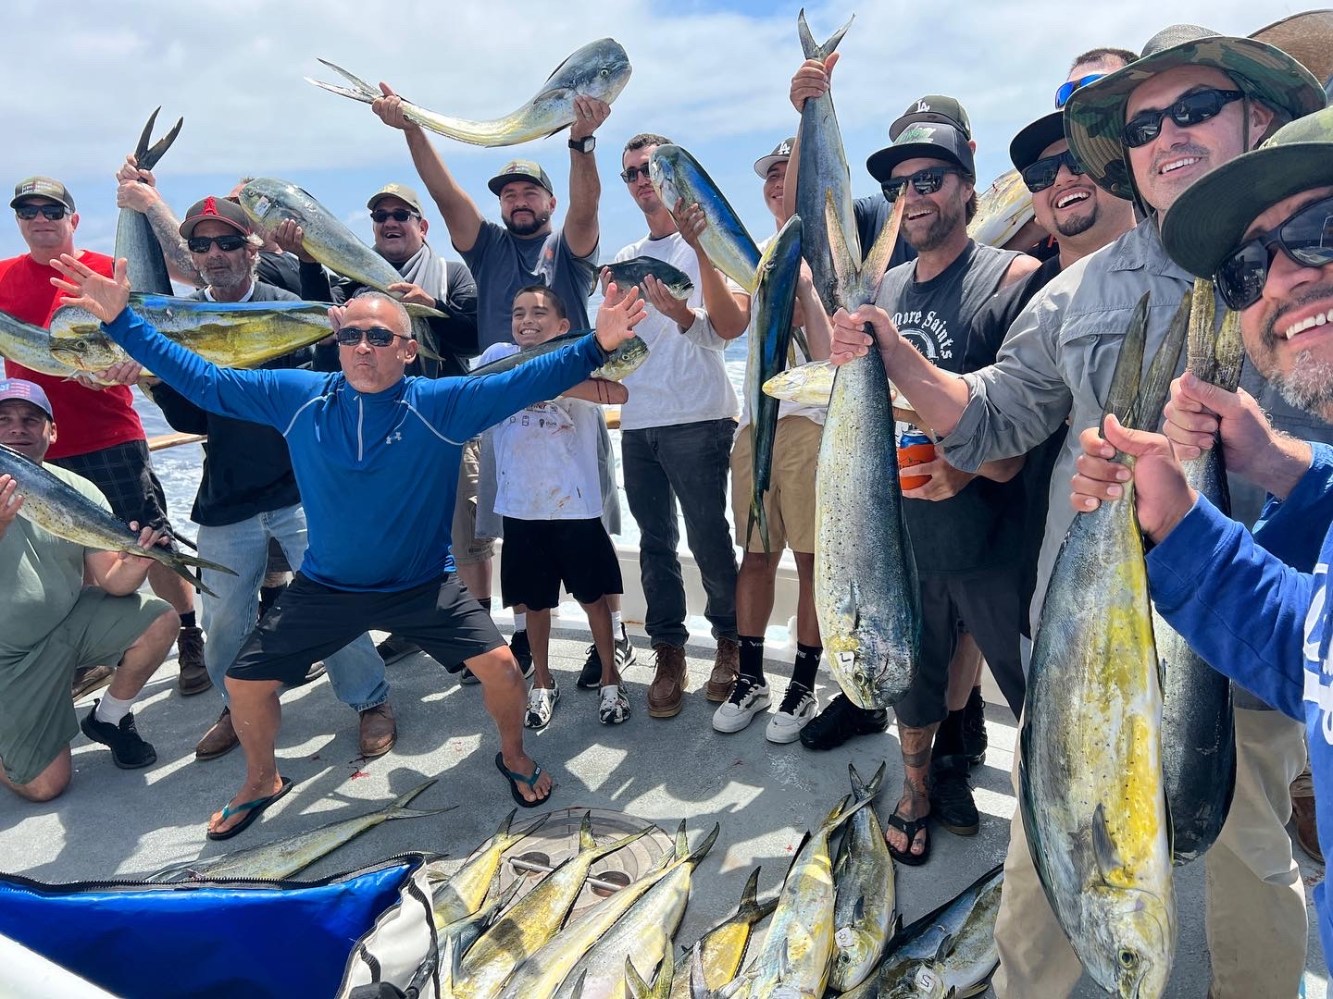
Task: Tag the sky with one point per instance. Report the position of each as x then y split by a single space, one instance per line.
80 79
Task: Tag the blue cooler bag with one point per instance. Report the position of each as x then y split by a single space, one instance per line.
230 938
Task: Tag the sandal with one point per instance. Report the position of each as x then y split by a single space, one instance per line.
516 778
252 810
909 828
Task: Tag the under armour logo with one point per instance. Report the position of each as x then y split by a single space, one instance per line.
393 437
922 106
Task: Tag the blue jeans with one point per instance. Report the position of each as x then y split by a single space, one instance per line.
356 671
687 464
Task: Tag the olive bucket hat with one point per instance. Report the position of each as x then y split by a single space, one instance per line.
1208 221
1095 114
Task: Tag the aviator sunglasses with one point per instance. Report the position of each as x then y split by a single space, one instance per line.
1041 174
381 215
227 244
1192 109
376 336
52 213
1066 90
926 181
1306 237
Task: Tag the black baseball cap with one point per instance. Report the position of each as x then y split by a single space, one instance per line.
933 107
1031 141
781 152
42 187
923 139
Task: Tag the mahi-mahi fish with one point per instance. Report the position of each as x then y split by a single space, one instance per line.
624 360
599 69
29 345
1090 777
635 270
289 856
863 914
67 513
461 894
135 239
721 950
1002 210
1198 723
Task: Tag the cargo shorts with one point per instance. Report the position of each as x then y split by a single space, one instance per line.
789 502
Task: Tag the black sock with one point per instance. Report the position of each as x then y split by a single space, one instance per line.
975 705
807 664
485 604
752 657
949 737
268 596
187 620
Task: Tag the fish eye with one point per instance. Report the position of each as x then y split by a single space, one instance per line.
1128 958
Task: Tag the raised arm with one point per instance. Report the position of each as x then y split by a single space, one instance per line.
585 186
137 190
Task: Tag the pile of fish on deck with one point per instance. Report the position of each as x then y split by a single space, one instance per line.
834 923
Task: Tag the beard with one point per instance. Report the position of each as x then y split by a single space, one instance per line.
539 220
949 218
1076 225
231 278
1309 384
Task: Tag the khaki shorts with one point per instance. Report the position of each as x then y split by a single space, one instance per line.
789 502
468 548
37 717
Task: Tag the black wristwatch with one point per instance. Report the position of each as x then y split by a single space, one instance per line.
585 145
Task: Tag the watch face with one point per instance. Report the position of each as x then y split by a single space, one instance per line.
585 145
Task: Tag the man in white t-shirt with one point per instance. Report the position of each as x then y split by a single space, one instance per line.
676 435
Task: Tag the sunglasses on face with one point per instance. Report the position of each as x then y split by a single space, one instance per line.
926 181
1192 109
52 213
376 336
381 215
1066 90
1306 237
1041 175
227 244
630 174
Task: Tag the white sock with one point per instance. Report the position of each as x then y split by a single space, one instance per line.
520 621
617 625
112 709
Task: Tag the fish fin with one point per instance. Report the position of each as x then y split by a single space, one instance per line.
760 517
858 785
702 850
147 156
839 245
332 88
417 813
404 799
698 983
750 909
682 843
638 988
624 841
802 344
946 945
360 85
1125 380
141 148
842 813
578 985
421 311
859 909
530 829
1229 353
797 853
810 47
1200 343
895 927
586 841
1103 847
877 780
1156 388
202 563
1170 825
881 252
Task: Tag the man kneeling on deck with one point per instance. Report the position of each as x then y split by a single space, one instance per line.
365 444
51 624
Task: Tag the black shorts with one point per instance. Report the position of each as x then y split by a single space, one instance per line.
125 475
539 555
310 622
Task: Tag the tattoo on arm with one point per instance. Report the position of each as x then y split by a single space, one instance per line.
179 260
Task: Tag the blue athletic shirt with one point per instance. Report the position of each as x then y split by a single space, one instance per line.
378 473
1256 608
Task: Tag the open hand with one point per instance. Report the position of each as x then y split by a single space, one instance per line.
615 323
104 297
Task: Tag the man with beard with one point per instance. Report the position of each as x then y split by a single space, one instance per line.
962 525
248 496
1258 227
1193 101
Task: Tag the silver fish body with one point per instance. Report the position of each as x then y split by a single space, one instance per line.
677 176
863 912
135 239
29 345
633 272
720 951
624 360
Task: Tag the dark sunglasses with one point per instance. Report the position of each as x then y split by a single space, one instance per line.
630 174
926 181
52 213
227 244
1041 175
1192 109
1305 237
1066 90
381 215
376 336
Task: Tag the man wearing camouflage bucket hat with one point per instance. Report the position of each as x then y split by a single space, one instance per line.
1261 227
1193 101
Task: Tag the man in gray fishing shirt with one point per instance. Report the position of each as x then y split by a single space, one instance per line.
1192 101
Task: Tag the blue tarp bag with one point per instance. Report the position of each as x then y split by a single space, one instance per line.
228 938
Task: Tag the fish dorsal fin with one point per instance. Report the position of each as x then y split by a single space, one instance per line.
1104 851
1128 365
881 252
811 48
1156 387
859 909
586 840
1200 344
705 846
796 854
946 945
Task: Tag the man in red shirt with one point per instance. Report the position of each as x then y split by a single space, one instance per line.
101 436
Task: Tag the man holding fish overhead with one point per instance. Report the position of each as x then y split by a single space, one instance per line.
51 623
365 445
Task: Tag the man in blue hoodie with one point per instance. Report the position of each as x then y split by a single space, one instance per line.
365 444
1254 606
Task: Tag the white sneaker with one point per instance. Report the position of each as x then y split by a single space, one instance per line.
747 700
541 705
798 707
613 705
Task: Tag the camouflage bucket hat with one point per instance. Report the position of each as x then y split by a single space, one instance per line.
1095 114
1209 219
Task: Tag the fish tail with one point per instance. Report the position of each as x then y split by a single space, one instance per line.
395 812
402 800
1153 394
359 85
199 563
1200 350
810 47
757 517
881 252
702 850
750 909
1230 352
1125 380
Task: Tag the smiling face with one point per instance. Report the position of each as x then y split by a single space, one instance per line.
1164 167
374 369
929 220
525 208
47 238
536 318
398 241
26 428
774 183
1289 330
1072 204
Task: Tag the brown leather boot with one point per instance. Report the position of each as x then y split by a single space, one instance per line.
726 667
1302 810
666 691
379 731
89 679
219 740
194 678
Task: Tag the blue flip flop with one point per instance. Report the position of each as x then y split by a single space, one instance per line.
514 780
252 810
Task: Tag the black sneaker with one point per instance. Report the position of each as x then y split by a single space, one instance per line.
975 740
590 676
128 750
840 721
394 648
518 645
951 804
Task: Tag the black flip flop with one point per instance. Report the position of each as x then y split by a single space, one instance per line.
515 779
909 828
252 810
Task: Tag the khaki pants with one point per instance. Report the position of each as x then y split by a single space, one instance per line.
1255 910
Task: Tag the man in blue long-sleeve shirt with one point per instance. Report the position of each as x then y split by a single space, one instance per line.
365 444
1255 607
